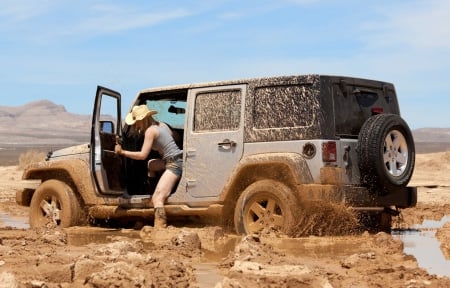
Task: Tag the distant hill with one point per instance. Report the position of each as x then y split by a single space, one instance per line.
432 135
430 140
42 122
46 123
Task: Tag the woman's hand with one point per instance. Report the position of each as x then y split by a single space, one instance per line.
118 149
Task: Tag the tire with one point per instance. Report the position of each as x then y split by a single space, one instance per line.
265 204
386 153
54 204
376 222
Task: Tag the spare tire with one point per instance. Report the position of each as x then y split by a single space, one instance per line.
386 153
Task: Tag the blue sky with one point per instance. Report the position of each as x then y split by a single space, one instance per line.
61 50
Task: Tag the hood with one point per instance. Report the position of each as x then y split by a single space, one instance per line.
78 151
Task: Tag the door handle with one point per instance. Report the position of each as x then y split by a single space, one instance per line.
190 183
227 144
191 152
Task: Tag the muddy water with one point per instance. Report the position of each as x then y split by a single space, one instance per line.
320 247
14 222
206 272
421 242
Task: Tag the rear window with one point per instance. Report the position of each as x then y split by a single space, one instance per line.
353 108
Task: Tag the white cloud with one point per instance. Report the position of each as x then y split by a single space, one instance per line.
118 20
13 11
416 25
47 21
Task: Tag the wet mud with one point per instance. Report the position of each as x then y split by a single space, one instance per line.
209 257
190 255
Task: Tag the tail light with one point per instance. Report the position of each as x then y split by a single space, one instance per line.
377 110
329 151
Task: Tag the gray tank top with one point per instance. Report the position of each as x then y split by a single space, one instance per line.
164 144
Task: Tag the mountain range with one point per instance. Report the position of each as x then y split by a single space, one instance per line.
46 123
41 123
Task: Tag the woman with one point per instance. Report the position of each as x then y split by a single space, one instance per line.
158 137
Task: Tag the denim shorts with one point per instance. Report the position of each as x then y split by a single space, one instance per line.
175 164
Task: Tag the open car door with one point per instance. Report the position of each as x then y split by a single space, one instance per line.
106 166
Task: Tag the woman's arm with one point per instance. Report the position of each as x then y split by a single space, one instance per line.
150 135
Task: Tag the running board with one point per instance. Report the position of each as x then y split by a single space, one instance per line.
136 201
108 211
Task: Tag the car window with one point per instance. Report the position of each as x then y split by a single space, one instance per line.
283 106
354 108
217 110
170 111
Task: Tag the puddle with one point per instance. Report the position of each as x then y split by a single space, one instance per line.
319 247
14 222
421 242
207 274
80 236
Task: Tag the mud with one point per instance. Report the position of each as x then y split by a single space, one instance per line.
190 255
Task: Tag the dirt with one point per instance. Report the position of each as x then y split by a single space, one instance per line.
189 256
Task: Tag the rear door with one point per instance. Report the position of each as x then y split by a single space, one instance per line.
105 130
214 138
355 101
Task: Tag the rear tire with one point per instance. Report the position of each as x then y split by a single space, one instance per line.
265 205
54 204
376 222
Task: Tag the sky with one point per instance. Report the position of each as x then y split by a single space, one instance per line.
61 50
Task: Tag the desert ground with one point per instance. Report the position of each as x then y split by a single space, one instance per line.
190 255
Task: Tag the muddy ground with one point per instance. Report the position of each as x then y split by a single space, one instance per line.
208 257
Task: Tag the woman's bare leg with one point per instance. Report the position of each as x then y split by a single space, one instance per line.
165 185
162 191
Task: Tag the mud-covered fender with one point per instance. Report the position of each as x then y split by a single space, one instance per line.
73 172
288 168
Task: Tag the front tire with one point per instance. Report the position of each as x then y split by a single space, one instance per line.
265 205
54 203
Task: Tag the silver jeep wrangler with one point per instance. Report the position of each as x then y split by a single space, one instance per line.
254 151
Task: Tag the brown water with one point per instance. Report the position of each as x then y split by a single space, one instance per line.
14 222
420 242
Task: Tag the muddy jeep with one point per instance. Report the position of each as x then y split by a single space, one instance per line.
254 152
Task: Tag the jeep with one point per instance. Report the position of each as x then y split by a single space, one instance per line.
254 151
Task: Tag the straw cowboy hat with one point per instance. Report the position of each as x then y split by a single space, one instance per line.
138 113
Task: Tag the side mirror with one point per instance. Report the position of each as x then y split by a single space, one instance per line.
107 127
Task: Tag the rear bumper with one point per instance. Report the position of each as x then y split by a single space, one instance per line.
402 198
360 197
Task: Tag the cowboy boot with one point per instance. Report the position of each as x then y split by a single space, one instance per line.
160 218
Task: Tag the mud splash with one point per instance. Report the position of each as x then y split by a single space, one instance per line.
421 242
325 219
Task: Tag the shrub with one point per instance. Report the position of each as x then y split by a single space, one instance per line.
29 157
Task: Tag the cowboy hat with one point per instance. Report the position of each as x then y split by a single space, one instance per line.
138 113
